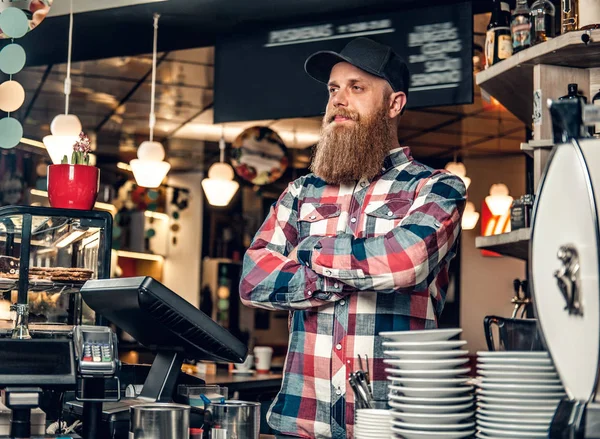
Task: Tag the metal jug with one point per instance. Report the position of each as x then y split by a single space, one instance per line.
235 420
159 421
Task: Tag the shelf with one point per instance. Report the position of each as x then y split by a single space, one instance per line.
42 285
514 244
138 255
532 145
511 81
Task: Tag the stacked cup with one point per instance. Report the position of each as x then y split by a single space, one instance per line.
372 424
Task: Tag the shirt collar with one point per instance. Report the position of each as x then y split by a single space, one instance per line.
397 157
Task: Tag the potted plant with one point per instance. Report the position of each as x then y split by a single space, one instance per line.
74 185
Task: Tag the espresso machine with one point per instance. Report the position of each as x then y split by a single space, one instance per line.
565 266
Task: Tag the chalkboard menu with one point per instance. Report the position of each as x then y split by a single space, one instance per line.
261 75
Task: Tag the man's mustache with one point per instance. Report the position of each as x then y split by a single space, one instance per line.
343 113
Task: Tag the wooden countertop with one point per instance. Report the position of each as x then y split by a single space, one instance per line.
242 381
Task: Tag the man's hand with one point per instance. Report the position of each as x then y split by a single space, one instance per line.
294 255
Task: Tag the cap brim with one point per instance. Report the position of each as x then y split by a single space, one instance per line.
319 64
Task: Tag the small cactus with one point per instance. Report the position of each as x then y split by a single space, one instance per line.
81 150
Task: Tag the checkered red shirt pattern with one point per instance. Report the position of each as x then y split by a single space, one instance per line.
373 257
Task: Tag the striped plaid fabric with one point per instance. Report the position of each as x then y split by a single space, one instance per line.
373 257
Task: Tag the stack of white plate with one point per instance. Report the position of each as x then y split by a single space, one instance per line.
430 395
518 394
372 424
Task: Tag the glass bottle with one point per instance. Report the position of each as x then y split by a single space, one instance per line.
520 26
543 26
570 12
498 41
596 101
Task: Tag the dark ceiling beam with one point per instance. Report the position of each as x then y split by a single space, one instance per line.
36 93
188 120
131 92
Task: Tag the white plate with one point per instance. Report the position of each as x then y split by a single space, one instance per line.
531 421
421 408
518 401
513 354
426 401
422 335
515 361
521 387
517 375
516 427
369 434
493 432
430 364
423 346
429 373
424 355
515 368
428 382
431 392
380 413
511 407
424 434
522 395
441 418
521 416
526 381
434 427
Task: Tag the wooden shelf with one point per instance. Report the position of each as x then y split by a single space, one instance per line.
511 81
529 147
514 244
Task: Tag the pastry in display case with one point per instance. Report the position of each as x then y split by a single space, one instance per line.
46 255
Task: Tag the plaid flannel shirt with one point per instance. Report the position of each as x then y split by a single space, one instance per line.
373 257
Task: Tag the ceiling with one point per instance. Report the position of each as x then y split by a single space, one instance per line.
112 98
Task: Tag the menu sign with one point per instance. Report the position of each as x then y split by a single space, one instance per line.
261 76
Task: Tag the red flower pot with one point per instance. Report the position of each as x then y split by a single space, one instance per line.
73 186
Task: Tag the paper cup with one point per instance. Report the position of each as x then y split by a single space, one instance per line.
262 355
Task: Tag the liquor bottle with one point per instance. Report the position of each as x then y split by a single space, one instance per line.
498 41
596 101
570 13
543 15
520 26
573 93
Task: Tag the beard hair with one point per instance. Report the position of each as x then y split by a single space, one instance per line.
346 154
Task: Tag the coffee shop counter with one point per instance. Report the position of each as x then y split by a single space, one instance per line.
243 382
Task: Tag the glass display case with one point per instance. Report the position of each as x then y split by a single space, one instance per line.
46 255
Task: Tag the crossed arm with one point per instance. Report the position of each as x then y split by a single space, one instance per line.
281 273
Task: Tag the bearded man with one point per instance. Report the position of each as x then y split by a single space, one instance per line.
359 246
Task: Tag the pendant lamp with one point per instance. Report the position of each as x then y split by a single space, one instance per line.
498 200
220 187
65 128
150 169
459 170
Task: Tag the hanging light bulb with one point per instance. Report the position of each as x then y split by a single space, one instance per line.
150 169
65 128
220 187
470 217
459 170
498 200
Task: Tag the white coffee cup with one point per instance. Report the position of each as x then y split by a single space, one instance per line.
246 365
263 355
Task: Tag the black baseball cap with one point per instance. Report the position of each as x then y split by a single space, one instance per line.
368 55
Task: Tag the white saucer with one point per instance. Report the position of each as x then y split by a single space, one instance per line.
429 364
434 426
515 361
430 392
441 373
425 355
512 407
516 427
243 372
513 354
421 335
518 401
422 408
514 380
424 434
511 433
441 418
428 382
521 387
515 367
427 401
424 346
512 415
522 395
522 421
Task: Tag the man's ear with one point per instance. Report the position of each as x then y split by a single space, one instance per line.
396 103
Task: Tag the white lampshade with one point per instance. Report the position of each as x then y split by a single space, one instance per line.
12 96
60 146
498 200
149 169
470 217
220 187
459 169
149 173
66 125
